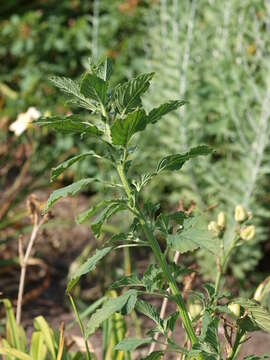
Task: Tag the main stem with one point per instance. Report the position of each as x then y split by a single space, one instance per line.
161 260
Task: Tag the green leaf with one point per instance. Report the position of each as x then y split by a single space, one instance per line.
105 69
13 329
38 349
66 164
72 88
209 332
72 189
131 344
41 324
175 162
155 355
157 113
256 312
69 125
151 312
108 309
94 87
127 95
123 129
194 235
16 353
112 208
88 266
93 210
131 280
255 357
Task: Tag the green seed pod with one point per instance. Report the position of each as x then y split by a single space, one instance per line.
247 233
240 213
221 220
235 309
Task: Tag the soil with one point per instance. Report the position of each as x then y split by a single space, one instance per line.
56 249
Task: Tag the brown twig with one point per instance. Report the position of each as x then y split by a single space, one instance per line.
34 210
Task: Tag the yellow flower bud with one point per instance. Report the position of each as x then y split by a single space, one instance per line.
234 309
214 228
221 220
258 295
247 232
240 213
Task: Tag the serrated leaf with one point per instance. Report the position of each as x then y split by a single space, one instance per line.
72 189
111 209
209 332
131 344
257 313
123 129
151 312
87 266
66 164
127 95
72 88
108 309
94 87
194 235
157 113
69 125
176 161
131 280
152 278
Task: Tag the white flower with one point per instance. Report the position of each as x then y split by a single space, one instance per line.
221 220
240 213
24 120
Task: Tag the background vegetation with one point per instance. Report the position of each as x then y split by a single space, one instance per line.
213 53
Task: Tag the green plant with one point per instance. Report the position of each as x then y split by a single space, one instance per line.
45 343
215 55
115 116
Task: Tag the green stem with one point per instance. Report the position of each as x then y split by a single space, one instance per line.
80 325
161 260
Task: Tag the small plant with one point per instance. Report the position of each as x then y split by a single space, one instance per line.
115 116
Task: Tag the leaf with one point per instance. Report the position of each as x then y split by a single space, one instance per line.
16 353
16 336
88 266
131 344
152 278
105 69
108 309
194 235
127 95
69 125
94 87
87 214
110 210
41 324
66 164
257 313
175 162
72 189
157 113
123 129
255 357
155 355
38 349
72 88
151 312
209 332
131 280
